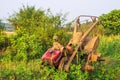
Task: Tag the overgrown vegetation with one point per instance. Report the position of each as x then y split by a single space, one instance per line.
1 27
111 22
35 28
4 41
108 70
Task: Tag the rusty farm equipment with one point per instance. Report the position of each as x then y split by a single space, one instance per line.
61 56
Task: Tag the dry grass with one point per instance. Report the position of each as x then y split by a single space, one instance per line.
9 33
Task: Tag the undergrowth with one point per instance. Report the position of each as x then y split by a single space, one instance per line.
33 70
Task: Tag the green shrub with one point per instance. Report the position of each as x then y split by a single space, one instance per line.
111 22
4 42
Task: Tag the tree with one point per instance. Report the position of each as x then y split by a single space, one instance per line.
1 27
111 22
30 17
35 29
69 26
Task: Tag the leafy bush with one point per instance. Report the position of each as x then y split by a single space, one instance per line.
4 42
109 46
111 22
35 30
26 47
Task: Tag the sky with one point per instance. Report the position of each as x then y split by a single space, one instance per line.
72 8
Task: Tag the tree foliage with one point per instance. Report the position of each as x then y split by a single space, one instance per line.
111 22
31 17
1 27
3 39
35 29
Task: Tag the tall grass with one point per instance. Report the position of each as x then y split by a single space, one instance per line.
110 46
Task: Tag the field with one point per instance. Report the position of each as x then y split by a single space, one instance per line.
20 54
32 70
